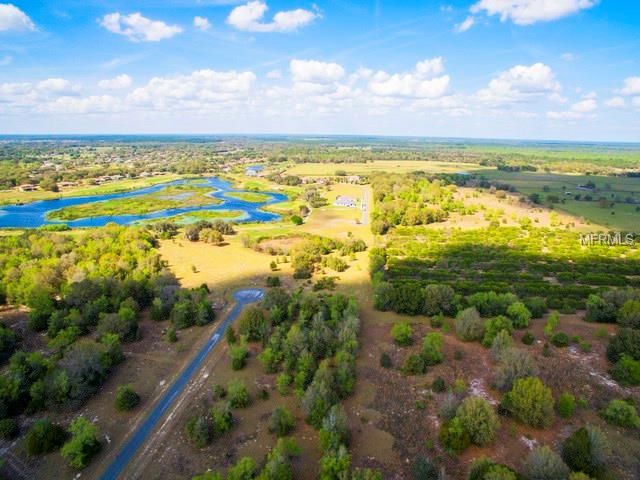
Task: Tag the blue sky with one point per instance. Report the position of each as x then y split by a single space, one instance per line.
534 69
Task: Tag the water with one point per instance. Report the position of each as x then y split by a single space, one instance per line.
34 214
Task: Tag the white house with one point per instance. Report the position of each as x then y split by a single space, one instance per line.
342 201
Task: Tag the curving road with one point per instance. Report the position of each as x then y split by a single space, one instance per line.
242 298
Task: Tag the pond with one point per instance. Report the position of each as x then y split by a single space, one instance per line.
34 214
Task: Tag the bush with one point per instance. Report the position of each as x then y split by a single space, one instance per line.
9 429
252 324
490 304
237 394
402 333
282 382
454 436
586 450
528 338
479 419
629 314
448 407
542 463
514 364
199 431
560 340
599 310
626 371
44 437
432 348
627 341
519 315
170 335
552 323
126 398
385 360
238 353
620 413
222 417
335 429
439 299
414 365
83 444
501 343
537 306
469 325
566 405
296 220
423 469
530 402
493 326
281 422
438 385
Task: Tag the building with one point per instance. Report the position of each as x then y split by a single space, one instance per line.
28 187
346 202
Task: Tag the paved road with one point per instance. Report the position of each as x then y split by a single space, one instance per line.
128 451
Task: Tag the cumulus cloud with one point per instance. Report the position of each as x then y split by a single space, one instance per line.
528 12
583 108
465 25
138 28
520 83
420 83
250 17
117 83
315 72
631 87
274 74
12 18
616 102
201 23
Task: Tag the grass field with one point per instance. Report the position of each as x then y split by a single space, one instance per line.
400 166
249 196
14 196
615 189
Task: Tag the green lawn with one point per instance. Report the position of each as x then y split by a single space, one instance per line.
249 196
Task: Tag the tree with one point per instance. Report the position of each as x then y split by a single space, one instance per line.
237 394
627 342
44 437
83 444
335 465
199 431
566 405
439 299
9 429
281 422
244 469
629 314
493 326
84 368
238 354
519 315
297 220
586 450
432 348
600 310
469 325
626 371
423 469
454 436
126 398
542 463
222 417
479 419
531 402
537 306
501 343
402 333
621 413
8 342
514 364
252 324
335 429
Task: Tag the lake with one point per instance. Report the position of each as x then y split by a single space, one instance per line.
34 214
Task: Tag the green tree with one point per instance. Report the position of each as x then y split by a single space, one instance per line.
493 326
469 325
252 324
432 348
621 413
83 444
587 450
281 422
542 463
44 437
519 315
566 405
479 419
126 398
199 431
402 333
238 394
531 402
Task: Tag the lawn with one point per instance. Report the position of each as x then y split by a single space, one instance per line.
252 197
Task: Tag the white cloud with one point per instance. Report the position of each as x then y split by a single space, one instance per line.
616 102
419 83
12 18
85 105
273 74
57 86
520 83
250 17
201 23
315 72
465 25
631 87
587 105
527 12
119 82
583 108
138 28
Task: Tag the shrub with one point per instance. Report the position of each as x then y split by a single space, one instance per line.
586 450
414 365
542 463
252 324
244 469
599 310
199 431
584 346
432 348
335 429
439 299
170 335
83 444
552 323
126 398
44 437
9 429
620 413
402 333
500 344
514 364
484 469
438 385
626 371
579 476
385 360
500 472
437 321
237 394
493 326
528 338
296 220
566 405
479 419
238 353
222 417
531 402
448 407
627 341
537 306
519 315
423 469
281 422
469 325
282 382
454 436
560 340
629 314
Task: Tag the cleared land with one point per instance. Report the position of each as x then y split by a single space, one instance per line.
399 166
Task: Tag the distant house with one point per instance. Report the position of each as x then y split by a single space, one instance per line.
345 202
28 187
353 179
67 184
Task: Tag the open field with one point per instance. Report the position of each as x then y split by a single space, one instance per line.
400 166
14 196
623 192
249 196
